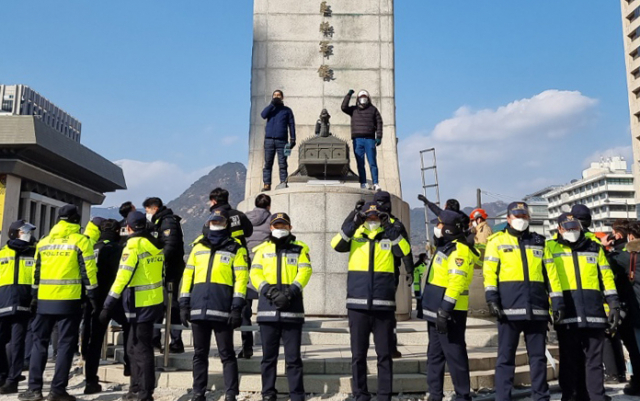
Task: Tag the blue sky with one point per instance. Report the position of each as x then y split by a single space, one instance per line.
159 85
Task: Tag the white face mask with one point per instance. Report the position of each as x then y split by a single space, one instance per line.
150 217
520 224
475 224
279 232
437 231
26 237
571 236
216 227
363 100
372 225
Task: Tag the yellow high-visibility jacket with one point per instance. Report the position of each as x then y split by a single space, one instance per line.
586 279
65 264
215 280
139 281
520 276
16 277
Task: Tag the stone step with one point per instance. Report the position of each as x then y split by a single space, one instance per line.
321 383
414 334
323 360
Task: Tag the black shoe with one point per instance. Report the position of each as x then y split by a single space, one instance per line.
130 396
246 353
22 378
266 188
60 397
198 397
158 347
9 388
176 348
127 370
31 395
633 387
229 397
92 388
396 354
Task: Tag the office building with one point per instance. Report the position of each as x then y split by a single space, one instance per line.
20 100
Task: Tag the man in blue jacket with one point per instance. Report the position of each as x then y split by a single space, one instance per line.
281 126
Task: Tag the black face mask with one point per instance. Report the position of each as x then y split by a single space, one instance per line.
277 101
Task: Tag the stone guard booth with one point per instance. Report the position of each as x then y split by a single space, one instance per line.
42 170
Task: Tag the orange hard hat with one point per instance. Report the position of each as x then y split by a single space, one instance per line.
478 213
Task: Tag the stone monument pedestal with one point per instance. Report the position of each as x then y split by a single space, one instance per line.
317 210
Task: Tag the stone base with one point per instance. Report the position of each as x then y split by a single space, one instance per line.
317 213
477 302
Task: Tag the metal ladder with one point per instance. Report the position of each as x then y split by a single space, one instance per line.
429 182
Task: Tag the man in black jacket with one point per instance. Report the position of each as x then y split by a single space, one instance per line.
239 224
126 208
366 132
109 252
166 228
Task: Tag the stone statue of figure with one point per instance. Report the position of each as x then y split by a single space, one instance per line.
323 125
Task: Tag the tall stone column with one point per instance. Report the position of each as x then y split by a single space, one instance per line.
316 51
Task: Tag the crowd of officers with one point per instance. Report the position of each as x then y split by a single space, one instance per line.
121 270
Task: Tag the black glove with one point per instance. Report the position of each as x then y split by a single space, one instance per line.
293 292
280 300
94 306
423 199
495 310
559 315
351 92
33 307
105 317
292 144
614 319
270 291
359 205
235 318
185 316
359 219
442 321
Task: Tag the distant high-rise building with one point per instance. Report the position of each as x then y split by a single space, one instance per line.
20 100
631 37
606 188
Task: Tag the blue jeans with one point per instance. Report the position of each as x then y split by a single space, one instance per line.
362 146
271 146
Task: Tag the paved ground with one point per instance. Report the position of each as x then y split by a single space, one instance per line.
113 393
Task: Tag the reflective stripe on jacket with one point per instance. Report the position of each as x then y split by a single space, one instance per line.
371 279
519 275
16 277
215 280
65 264
448 279
139 281
586 280
285 266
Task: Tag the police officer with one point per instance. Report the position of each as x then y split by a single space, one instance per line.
16 277
418 271
583 214
280 270
445 301
586 279
214 287
65 264
108 254
516 272
138 285
239 225
373 242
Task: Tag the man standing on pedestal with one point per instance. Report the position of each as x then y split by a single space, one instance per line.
366 132
280 126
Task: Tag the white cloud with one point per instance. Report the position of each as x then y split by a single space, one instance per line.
156 178
230 139
624 151
503 150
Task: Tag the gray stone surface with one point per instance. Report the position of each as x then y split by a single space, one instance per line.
286 56
317 213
